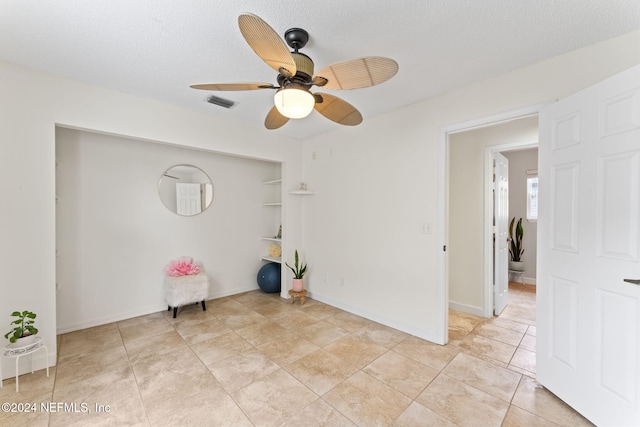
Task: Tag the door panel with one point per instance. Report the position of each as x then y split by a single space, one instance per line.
588 318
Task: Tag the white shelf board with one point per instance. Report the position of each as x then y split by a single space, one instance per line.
272 259
272 239
274 182
302 193
272 204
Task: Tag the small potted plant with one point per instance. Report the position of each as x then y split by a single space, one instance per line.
23 333
515 249
298 273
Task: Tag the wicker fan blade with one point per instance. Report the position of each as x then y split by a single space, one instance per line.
266 43
274 119
338 110
358 73
234 86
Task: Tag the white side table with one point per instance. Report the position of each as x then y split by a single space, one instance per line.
18 352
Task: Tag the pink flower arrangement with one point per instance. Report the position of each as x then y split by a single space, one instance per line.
182 267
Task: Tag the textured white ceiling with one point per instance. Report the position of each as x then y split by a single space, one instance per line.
157 48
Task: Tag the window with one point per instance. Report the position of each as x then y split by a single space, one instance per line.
532 195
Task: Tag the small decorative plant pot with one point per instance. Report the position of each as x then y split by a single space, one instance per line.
298 286
24 341
516 265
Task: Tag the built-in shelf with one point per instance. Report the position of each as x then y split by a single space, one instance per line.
272 217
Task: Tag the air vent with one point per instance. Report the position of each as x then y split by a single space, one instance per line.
226 103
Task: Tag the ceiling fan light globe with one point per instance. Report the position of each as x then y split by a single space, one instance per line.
294 103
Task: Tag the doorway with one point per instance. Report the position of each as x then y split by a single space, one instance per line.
468 206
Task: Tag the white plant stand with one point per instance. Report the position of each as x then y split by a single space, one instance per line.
18 352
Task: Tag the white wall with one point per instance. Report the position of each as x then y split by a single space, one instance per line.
466 206
377 183
114 235
32 104
520 161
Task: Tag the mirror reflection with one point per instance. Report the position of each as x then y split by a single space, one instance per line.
185 190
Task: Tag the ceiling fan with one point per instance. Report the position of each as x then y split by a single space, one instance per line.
293 98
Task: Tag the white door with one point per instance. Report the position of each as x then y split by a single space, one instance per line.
588 317
189 200
501 233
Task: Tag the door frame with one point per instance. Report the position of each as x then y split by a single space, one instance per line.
443 209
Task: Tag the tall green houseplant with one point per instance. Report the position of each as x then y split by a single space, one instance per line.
516 250
299 270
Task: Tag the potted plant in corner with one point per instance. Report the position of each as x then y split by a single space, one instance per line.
24 332
515 249
298 273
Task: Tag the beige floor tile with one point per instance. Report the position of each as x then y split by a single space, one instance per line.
491 348
367 401
100 369
463 404
517 417
498 333
348 321
318 414
220 347
31 417
227 307
534 398
153 345
509 324
456 335
524 359
242 369
202 407
287 349
140 320
531 330
528 342
321 311
381 334
170 374
273 399
356 350
187 318
433 355
322 333
194 333
145 330
121 395
417 415
262 332
241 319
92 340
294 319
465 321
321 371
403 374
498 382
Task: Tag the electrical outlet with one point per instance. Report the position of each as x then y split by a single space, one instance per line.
314 155
426 228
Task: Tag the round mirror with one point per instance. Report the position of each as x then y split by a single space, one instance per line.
185 190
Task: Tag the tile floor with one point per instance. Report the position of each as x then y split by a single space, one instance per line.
256 360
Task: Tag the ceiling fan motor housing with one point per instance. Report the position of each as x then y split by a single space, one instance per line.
304 73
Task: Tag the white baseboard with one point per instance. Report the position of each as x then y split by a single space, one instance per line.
117 317
465 308
420 333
